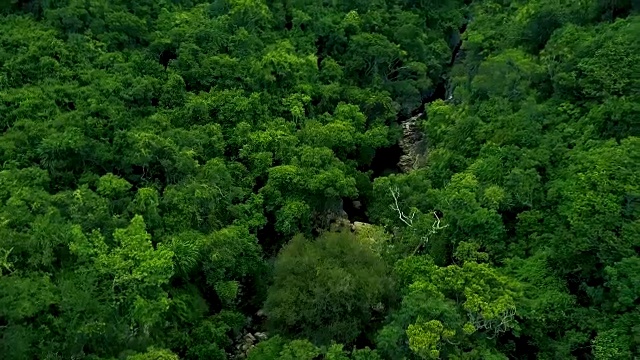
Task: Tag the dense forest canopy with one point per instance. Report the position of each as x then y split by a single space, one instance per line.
183 179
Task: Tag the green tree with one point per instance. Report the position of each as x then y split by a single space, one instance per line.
332 288
138 273
452 311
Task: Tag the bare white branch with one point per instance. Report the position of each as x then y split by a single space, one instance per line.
436 224
494 326
408 220
435 227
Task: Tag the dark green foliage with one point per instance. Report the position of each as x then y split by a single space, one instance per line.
156 155
533 163
279 349
327 289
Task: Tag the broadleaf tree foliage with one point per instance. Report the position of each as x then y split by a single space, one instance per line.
176 176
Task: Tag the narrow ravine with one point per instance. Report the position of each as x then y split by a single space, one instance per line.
411 150
414 142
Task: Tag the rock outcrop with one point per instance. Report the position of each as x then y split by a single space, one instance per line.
245 343
413 144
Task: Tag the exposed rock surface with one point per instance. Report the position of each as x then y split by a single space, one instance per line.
245 343
413 144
